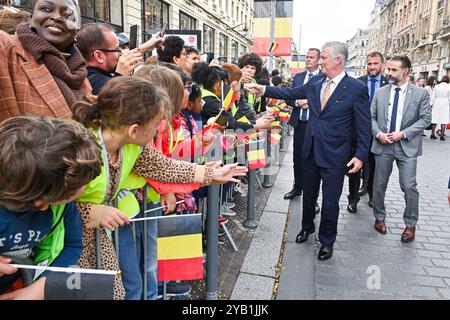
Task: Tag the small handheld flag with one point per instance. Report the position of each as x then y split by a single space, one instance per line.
180 254
284 116
230 97
256 155
273 47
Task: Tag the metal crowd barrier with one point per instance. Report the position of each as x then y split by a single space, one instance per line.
212 221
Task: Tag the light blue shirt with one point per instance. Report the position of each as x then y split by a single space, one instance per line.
377 83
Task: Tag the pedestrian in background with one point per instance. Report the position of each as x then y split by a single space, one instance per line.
441 107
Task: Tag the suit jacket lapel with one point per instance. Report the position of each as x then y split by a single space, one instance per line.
386 101
340 89
318 87
409 93
384 82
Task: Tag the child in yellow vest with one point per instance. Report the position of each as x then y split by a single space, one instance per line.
125 117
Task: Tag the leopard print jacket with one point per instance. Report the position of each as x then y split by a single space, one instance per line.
151 164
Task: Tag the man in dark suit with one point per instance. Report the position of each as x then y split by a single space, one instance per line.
299 119
374 81
339 107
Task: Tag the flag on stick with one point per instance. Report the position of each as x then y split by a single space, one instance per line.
256 155
180 248
273 47
284 116
230 97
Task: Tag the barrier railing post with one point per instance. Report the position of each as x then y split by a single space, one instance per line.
212 243
144 241
266 183
251 222
282 135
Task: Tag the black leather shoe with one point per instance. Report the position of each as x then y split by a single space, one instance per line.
370 203
303 236
325 253
362 191
292 194
352 207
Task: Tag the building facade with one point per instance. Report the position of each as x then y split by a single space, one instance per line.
225 26
357 53
417 28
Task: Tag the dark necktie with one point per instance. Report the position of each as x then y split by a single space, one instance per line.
372 88
304 112
394 110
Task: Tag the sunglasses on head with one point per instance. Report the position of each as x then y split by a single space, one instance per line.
194 89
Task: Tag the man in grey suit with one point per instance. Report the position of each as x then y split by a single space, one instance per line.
400 112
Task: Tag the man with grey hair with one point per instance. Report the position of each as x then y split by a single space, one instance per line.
339 112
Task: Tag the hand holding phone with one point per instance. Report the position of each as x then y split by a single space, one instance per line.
133 36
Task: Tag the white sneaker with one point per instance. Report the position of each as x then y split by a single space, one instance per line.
224 211
229 205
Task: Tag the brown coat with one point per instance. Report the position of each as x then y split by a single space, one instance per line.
26 86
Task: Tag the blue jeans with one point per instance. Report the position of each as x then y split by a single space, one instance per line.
128 262
152 253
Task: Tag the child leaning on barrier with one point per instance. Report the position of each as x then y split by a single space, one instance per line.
44 165
124 118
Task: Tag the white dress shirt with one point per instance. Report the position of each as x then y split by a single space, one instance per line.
334 84
307 78
400 107
305 108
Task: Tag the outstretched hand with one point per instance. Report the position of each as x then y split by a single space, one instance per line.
155 41
254 88
227 173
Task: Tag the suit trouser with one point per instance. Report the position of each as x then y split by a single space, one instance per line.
353 186
299 138
332 183
371 164
368 172
407 168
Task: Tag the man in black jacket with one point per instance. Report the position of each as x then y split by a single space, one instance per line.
374 80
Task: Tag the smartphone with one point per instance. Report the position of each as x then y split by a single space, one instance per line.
133 36
163 29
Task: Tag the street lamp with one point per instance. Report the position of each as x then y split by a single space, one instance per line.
244 30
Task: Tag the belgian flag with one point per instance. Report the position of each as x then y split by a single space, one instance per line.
229 98
273 47
284 116
256 155
180 254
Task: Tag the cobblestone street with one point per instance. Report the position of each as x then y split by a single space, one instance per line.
416 270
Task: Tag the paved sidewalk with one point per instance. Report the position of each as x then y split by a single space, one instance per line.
417 270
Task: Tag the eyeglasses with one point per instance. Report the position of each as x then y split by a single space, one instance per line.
109 50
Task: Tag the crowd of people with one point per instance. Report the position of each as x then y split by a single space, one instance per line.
89 121
86 122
